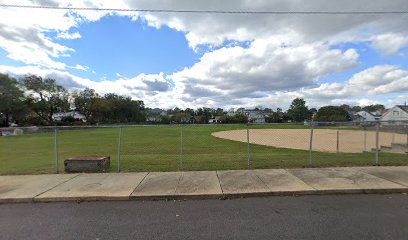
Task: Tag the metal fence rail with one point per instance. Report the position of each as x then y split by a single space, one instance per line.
207 147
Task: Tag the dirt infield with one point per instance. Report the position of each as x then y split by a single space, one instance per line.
324 140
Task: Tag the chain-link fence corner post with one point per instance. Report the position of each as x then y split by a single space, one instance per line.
249 148
311 144
377 141
180 165
56 150
119 146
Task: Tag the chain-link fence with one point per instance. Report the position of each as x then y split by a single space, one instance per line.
206 147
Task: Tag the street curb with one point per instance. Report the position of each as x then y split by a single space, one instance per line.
205 196
81 199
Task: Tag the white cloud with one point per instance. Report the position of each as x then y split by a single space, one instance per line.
80 67
374 81
23 31
66 35
260 70
153 89
156 90
215 29
389 43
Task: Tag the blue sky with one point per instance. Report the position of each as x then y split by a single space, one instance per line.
118 45
195 60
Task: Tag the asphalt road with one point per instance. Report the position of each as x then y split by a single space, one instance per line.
306 217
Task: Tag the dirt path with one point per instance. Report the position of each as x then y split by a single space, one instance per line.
324 140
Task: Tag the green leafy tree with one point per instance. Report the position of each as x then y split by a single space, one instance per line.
332 114
356 109
237 118
11 100
86 102
102 111
277 117
346 107
204 114
298 111
374 108
125 110
45 97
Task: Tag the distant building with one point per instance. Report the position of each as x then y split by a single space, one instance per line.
216 119
365 116
255 116
396 113
356 117
74 114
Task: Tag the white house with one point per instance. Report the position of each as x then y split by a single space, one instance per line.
61 115
396 113
255 116
368 116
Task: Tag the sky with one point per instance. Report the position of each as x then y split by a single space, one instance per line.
214 60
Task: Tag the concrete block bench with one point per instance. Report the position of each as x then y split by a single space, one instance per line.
87 164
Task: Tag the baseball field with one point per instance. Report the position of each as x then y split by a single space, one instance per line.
193 147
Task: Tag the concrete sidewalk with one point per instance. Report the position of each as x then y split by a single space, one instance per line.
205 184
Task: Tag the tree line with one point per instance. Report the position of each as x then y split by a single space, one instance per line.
33 100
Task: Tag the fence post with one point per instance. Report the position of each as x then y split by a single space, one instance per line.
311 144
377 141
365 139
249 148
407 136
180 168
56 150
119 146
337 146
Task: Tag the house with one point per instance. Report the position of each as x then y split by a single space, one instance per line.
396 114
61 115
216 119
356 117
254 116
364 116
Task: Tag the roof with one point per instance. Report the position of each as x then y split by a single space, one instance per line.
403 107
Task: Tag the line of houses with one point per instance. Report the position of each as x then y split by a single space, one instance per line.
396 113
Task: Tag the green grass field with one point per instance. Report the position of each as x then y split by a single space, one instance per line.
157 148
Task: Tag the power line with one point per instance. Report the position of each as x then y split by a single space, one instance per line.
210 11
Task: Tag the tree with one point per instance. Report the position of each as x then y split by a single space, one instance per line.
356 109
237 118
204 114
346 107
219 112
11 100
374 108
124 109
102 111
45 97
268 110
298 111
277 117
332 114
86 103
